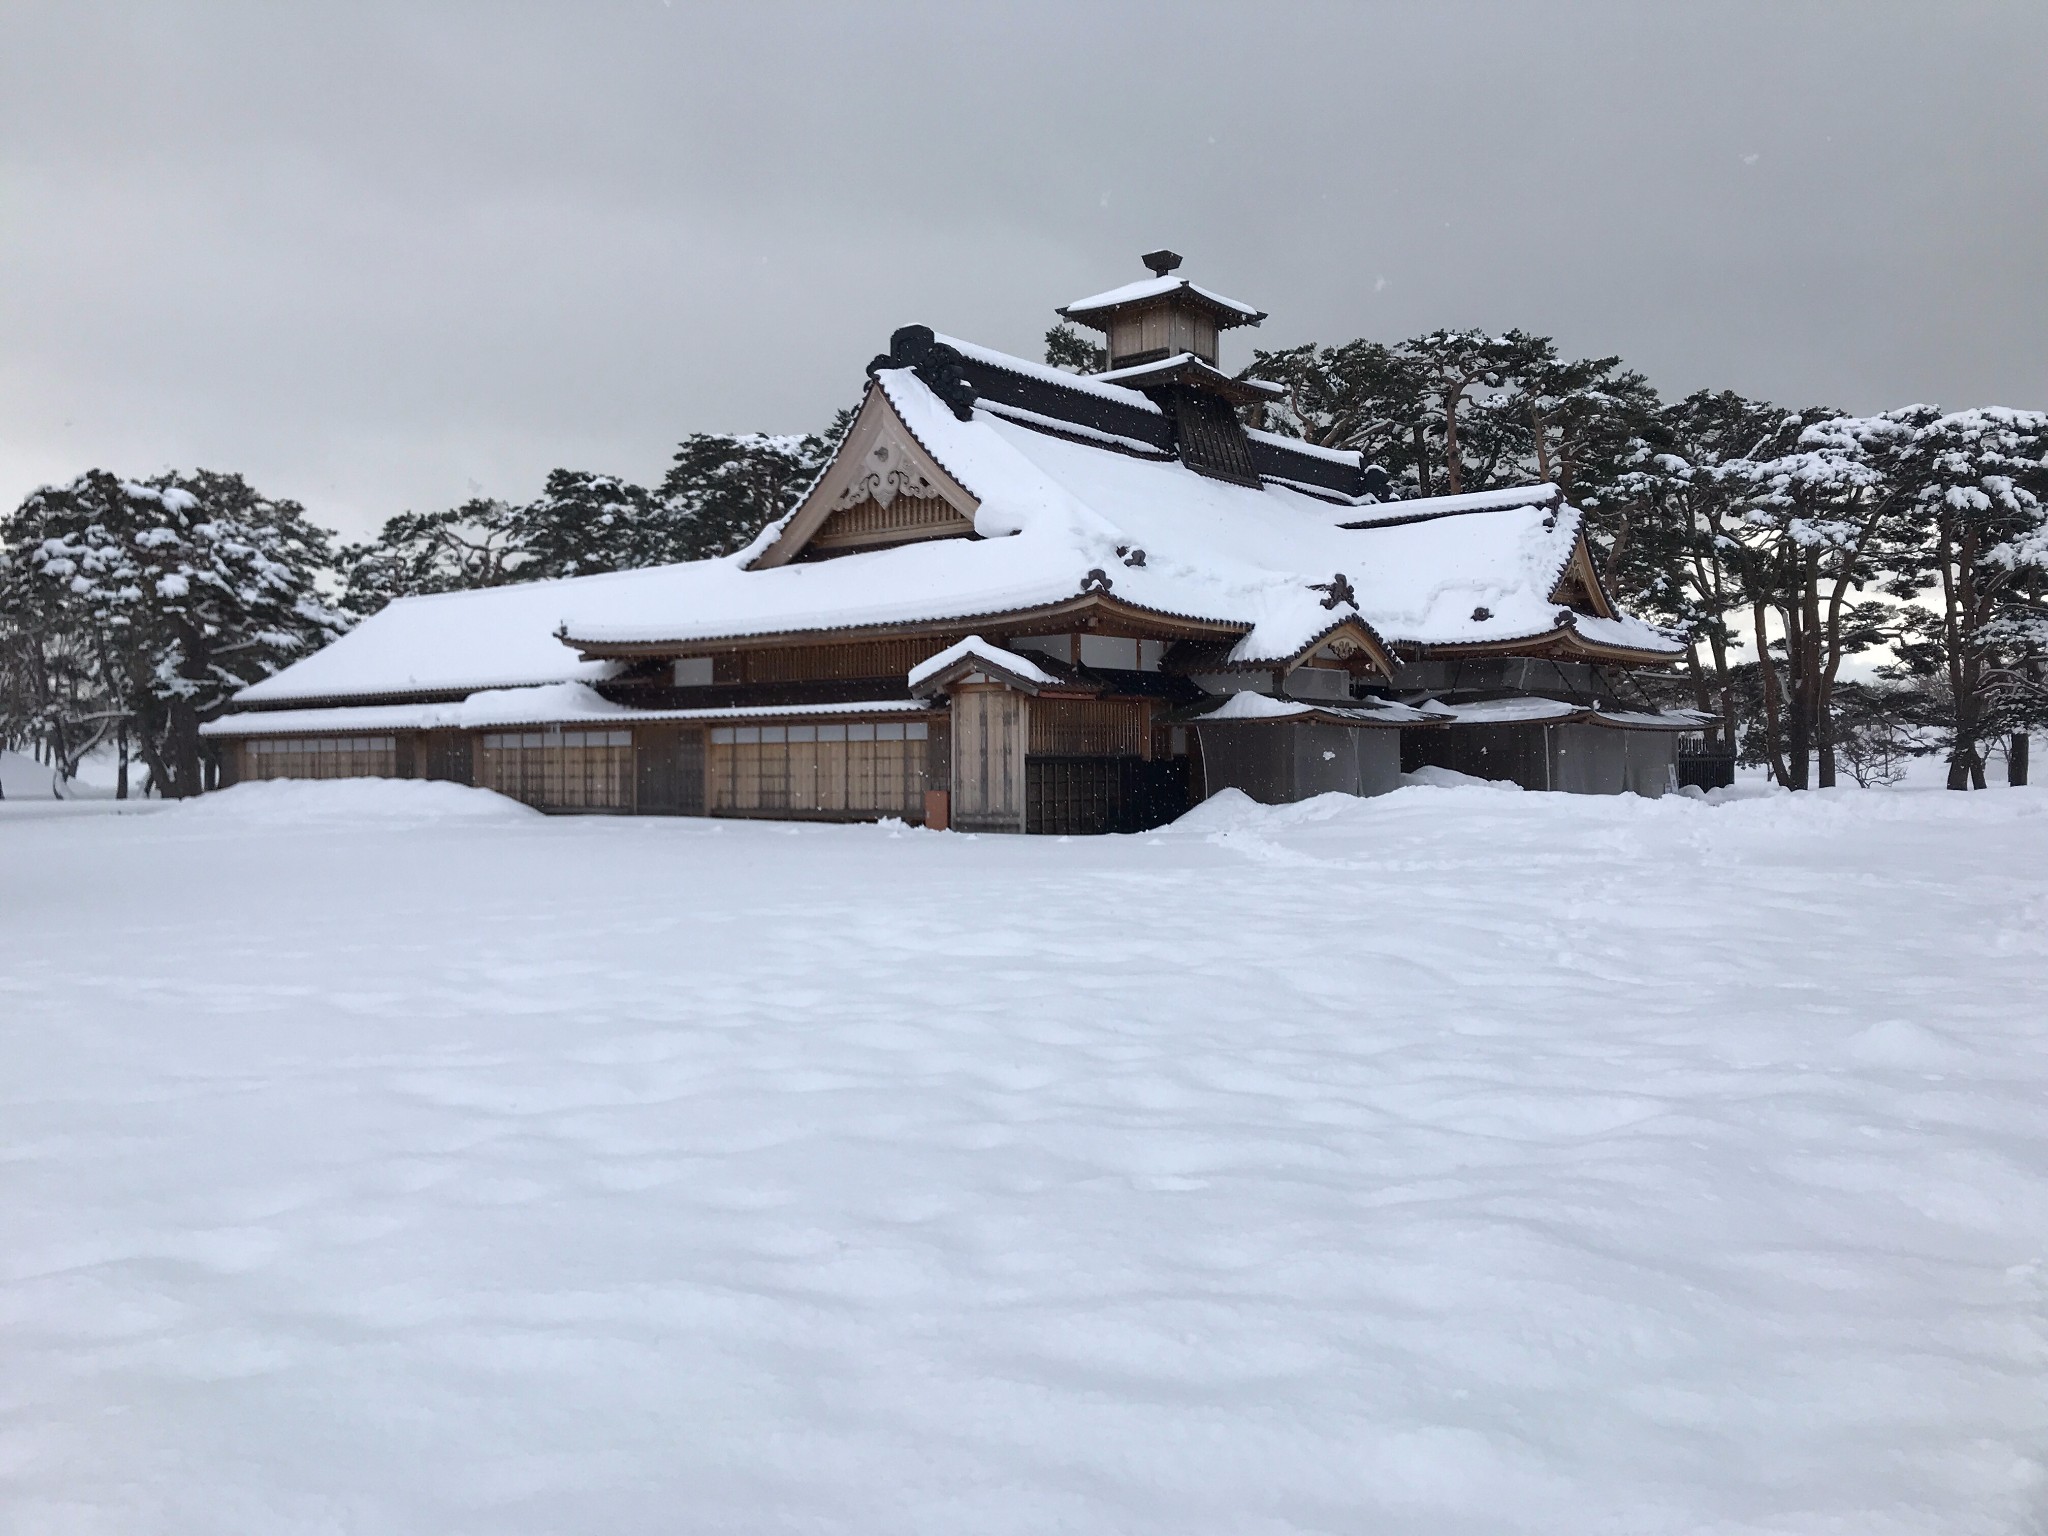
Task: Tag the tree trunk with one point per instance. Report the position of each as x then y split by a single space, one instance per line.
1699 680
184 750
2016 759
146 739
1799 701
1725 685
121 775
1767 673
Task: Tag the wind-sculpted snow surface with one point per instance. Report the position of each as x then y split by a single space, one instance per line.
1452 1162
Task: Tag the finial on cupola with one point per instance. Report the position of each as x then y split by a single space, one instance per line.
1161 262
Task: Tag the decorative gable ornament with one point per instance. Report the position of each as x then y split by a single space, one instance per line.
916 347
1338 590
887 470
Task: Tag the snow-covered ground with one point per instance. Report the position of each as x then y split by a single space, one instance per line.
386 1158
23 778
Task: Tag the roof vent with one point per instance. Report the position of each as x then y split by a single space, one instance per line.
1161 262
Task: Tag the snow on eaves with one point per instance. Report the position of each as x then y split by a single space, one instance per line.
1349 457
1253 708
551 704
1445 506
1627 633
974 648
1060 424
1045 373
1152 288
1542 711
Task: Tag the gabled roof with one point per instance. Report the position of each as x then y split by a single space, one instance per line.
976 657
1066 528
1060 518
1228 312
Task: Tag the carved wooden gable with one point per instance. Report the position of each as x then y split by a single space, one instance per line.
1579 585
882 488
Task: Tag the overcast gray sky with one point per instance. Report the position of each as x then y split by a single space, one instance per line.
381 256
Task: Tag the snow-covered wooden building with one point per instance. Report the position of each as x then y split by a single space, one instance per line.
1019 599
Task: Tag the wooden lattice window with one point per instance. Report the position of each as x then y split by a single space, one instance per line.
321 757
1087 728
858 768
561 770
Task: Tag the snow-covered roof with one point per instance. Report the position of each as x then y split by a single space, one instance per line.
1045 373
1541 711
1447 506
1182 363
1152 288
1346 456
1057 519
551 704
1258 708
455 642
976 651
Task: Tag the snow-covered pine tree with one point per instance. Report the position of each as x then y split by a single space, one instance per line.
1971 556
183 588
724 488
1360 396
1676 565
54 693
1066 348
583 523
414 553
1821 504
1460 374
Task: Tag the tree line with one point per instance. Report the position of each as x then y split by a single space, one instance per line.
1785 541
131 610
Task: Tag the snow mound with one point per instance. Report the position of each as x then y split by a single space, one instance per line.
298 802
1232 810
1449 778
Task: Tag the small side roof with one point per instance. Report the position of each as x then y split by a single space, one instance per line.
976 655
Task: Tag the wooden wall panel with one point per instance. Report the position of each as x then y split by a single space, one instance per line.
890 659
904 518
1089 728
990 729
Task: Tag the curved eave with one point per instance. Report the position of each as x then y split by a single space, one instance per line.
1563 640
377 697
1228 315
1376 649
1159 624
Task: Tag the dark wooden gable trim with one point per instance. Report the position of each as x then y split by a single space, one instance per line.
1347 638
1579 585
879 464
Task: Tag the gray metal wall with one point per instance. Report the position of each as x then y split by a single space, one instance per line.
1278 763
1576 759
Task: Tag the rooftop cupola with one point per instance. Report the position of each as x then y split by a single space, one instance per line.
1163 316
